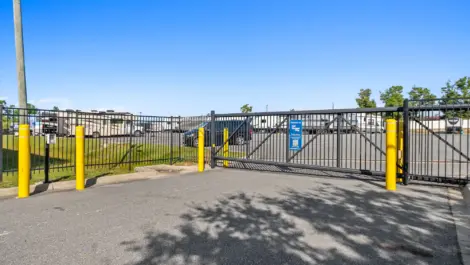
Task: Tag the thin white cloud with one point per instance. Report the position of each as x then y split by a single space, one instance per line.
49 103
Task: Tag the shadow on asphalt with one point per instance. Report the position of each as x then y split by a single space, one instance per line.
92 181
360 226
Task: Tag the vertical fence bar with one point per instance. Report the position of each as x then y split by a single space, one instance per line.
247 136
1 142
212 141
400 150
46 162
179 141
287 139
171 141
406 142
338 140
129 160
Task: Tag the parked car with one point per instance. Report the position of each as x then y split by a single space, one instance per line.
242 135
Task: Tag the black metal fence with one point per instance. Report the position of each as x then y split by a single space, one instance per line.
348 140
114 141
436 140
439 140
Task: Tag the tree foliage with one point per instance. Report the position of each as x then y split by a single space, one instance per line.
420 96
454 94
364 101
55 108
392 97
247 108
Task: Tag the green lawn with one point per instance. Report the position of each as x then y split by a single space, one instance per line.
102 157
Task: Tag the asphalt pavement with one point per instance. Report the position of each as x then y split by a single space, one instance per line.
232 217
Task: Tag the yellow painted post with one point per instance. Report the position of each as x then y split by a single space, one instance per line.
391 155
200 150
24 161
80 158
225 146
400 150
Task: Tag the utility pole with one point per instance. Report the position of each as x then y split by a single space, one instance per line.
266 108
20 68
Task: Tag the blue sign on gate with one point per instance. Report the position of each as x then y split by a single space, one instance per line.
295 135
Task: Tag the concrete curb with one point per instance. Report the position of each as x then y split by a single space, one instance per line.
466 194
142 173
460 207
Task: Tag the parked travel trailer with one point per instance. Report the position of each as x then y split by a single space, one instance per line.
268 123
96 124
370 122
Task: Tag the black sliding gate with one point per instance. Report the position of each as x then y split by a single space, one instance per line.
436 141
348 141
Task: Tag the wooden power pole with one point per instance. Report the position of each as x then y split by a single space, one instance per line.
20 68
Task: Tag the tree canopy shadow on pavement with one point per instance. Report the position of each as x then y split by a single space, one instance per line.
325 224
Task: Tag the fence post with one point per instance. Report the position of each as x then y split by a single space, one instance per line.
212 140
46 161
179 141
171 141
1 143
406 142
391 155
79 158
200 150
131 129
287 139
226 146
248 137
339 120
400 151
24 161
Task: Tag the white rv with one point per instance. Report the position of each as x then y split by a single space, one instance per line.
370 122
268 123
96 124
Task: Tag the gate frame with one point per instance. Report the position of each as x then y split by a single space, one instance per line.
339 113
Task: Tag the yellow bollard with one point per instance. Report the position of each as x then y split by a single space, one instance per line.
24 161
400 150
225 146
391 155
80 158
200 150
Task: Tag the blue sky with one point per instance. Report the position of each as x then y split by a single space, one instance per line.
178 57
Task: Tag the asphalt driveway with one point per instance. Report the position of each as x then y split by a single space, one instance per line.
232 217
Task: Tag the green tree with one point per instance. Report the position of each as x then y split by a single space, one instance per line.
246 108
420 96
3 102
392 97
456 93
31 108
55 108
363 100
